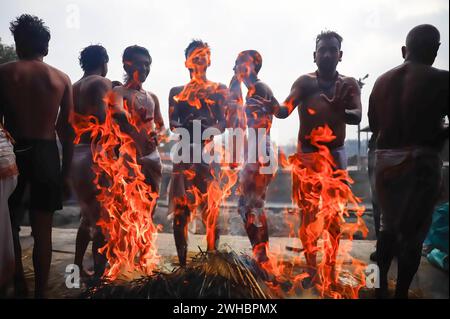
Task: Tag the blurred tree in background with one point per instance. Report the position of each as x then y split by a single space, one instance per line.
7 53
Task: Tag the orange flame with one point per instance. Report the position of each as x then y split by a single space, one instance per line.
199 88
325 199
126 200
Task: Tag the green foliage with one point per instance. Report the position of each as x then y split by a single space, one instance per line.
7 53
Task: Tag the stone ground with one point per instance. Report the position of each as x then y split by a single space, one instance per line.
429 282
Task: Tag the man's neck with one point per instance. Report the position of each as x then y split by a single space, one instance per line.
251 80
327 75
39 58
134 85
96 72
416 61
199 75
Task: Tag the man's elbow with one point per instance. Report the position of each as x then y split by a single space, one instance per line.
353 117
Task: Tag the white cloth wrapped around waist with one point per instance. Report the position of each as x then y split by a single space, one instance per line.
308 156
393 157
7 157
407 184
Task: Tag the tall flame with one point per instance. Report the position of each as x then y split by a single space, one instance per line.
126 200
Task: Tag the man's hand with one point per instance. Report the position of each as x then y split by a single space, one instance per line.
342 95
259 104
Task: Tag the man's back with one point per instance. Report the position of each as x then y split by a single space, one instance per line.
408 104
30 96
88 97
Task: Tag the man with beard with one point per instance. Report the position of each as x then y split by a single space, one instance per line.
323 97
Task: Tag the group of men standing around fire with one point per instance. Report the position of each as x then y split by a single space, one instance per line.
406 109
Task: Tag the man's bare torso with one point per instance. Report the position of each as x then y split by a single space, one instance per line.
144 110
315 111
88 96
31 94
408 104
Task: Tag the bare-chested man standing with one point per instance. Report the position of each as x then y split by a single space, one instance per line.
31 95
323 97
406 110
203 101
88 95
145 111
253 179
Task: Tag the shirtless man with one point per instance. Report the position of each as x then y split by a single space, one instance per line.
182 114
88 95
323 97
406 110
253 182
145 110
31 95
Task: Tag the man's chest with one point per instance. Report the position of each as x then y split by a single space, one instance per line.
140 104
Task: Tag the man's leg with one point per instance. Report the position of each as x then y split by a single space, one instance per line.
211 220
309 243
81 242
99 259
385 253
408 264
334 230
41 226
180 232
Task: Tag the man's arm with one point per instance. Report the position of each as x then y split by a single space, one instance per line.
373 122
173 111
291 102
219 108
158 119
353 107
103 90
65 131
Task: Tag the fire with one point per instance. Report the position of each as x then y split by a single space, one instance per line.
126 200
201 93
199 88
325 197
324 191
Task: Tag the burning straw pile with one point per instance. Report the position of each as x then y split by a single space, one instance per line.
223 274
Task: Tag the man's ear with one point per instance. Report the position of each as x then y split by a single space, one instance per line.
404 52
340 55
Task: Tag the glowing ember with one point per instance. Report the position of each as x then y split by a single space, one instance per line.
126 200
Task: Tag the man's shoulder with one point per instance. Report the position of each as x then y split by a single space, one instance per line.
348 79
386 76
53 70
176 89
152 95
9 68
305 79
261 86
442 75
